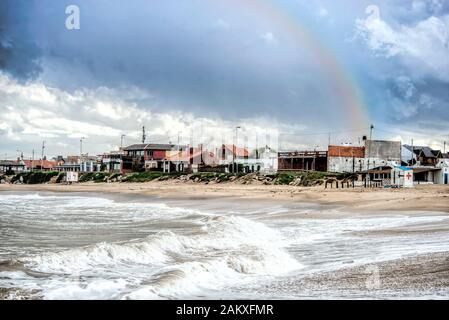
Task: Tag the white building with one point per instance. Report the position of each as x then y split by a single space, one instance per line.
442 176
402 177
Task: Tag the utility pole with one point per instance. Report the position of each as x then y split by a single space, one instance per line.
369 144
444 147
413 154
81 148
144 136
314 158
42 158
179 155
121 141
32 161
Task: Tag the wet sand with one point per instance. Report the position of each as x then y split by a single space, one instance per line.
425 276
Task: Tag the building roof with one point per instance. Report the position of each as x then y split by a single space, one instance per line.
10 163
403 168
149 146
424 169
38 163
426 151
186 156
239 152
346 151
302 154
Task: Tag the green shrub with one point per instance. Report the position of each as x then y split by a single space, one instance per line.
61 177
285 178
93 176
143 176
35 177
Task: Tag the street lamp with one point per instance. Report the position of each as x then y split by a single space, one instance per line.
121 141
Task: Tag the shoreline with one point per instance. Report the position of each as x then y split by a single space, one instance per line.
434 198
421 276
416 276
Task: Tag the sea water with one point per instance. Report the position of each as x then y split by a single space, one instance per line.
77 246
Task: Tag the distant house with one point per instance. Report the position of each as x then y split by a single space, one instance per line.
44 165
232 156
84 166
117 161
263 160
346 159
190 159
149 156
11 166
302 161
425 174
230 152
442 176
420 155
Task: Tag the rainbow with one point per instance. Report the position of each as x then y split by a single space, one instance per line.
346 88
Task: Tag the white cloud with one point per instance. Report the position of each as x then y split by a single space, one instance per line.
422 48
221 24
269 38
427 6
102 116
322 12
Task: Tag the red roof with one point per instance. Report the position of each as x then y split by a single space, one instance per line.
186 156
37 163
239 152
346 151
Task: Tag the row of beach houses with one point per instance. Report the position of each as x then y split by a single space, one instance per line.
377 162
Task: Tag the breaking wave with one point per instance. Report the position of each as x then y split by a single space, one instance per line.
221 251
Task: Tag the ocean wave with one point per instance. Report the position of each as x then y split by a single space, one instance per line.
225 249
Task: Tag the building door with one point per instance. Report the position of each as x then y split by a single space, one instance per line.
446 178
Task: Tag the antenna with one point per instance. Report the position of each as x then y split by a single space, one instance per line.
143 134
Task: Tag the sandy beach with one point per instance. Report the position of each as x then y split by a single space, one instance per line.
427 198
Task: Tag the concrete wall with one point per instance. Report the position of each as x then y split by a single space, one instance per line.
346 164
386 150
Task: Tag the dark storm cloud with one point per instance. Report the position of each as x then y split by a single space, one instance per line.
188 55
210 58
19 54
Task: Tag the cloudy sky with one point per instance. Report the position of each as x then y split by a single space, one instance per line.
287 72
